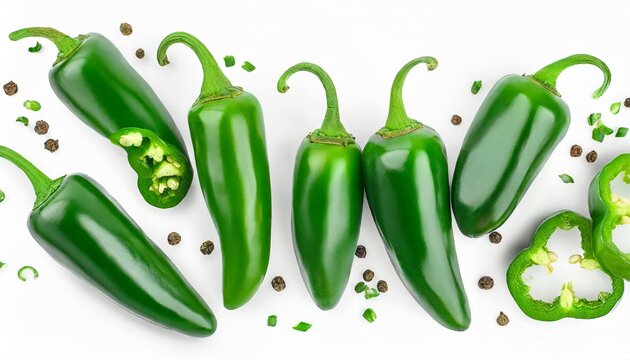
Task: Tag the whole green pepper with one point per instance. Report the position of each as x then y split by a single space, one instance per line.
327 199
566 304
228 135
516 129
93 79
406 183
82 227
609 210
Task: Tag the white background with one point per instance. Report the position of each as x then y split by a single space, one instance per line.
362 44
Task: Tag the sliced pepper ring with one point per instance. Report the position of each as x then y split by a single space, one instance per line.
608 210
566 304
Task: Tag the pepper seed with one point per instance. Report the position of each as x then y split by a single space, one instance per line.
174 238
51 145
140 53
278 283
41 127
126 29
10 88
576 151
591 156
368 275
361 252
495 237
381 286
502 319
456 119
207 247
485 283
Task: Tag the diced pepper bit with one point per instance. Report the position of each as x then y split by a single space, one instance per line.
545 258
369 315
23 269
567 296
131 139
574 259
272 320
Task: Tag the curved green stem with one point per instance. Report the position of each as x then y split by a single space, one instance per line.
332 130
65 44
42 184
549 74
215 84
398 123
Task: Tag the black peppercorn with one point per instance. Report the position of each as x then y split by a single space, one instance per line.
361 252
576 151
174 238
495 237
140 53
591 156
626 103
502 319
51 145
207 247
456 119
41 127
368 275
381 285
126 29
486 283
10 88
278 283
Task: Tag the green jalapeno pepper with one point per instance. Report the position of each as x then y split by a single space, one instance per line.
567 304
228 136
516 129
406 183
327 199
93 79
82 227
609 210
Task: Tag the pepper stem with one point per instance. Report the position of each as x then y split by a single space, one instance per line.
65 44
332 130
398 123
548 75
42 184
215 84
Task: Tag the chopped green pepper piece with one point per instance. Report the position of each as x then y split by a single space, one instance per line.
614 108
593 118
603 128
32 105
360 287
1 264
272 320
302 326
371 293
369 315
35 48
1 196
598 135
247 66
23 120
476 86
567 179
229 60
20 273
621 132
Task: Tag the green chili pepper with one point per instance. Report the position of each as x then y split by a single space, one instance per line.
609 210
228 136
406 183
35 48
32 105
93 79
82 227
516 129
20 273
566 304
327 199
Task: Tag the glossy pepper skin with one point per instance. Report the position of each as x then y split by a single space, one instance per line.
406 183
228 135
516 129
327 199
82 227
566 304
93 79
609 210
